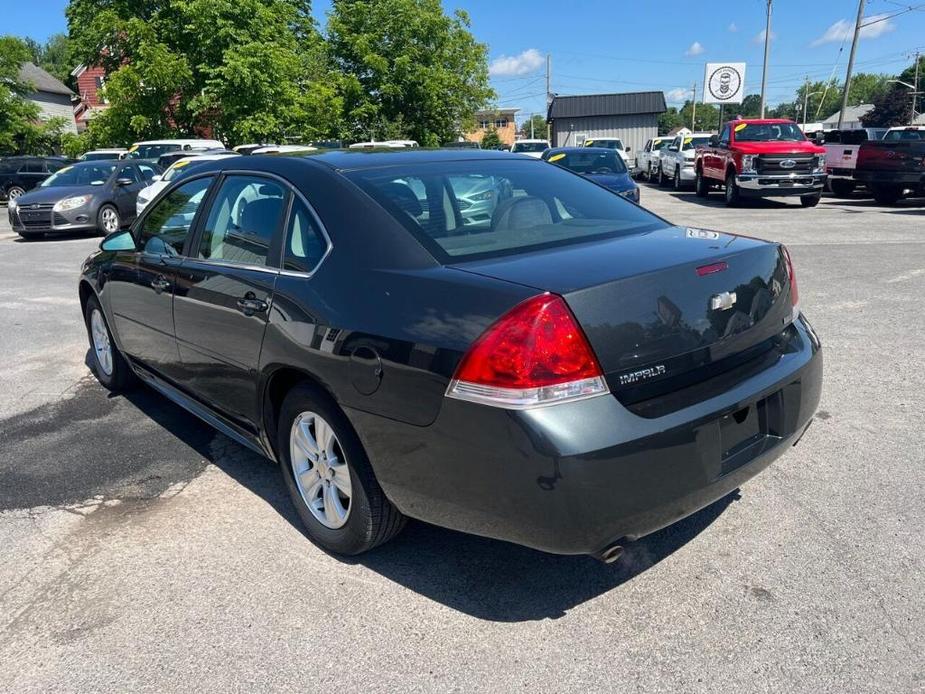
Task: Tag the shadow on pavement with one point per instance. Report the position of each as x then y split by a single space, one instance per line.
138 445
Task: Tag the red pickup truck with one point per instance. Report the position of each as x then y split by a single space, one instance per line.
761 158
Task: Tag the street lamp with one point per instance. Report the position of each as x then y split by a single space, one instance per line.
806 105
915 94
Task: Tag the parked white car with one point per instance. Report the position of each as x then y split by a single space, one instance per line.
387 144
676 163
103 154
532 148
283 149
146 195
613 143
152 149
649 157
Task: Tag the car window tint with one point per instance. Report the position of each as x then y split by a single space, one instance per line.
166 226
129 172
305 244
147 171
499 207
53 166
243 220
32 167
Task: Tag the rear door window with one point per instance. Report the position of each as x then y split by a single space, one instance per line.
244 220
305 242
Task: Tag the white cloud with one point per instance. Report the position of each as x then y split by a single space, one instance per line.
522 64
695 49
759 37
871 27
678 95
733 28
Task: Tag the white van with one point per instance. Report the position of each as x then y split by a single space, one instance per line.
150 150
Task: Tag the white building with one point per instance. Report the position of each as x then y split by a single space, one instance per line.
853 115
50 95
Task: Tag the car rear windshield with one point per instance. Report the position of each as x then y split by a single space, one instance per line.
590 162
910 134
488 208
95 174
530 147
150 151
768 132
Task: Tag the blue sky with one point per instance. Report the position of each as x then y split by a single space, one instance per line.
616 46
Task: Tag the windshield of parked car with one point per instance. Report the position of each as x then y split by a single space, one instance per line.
590 162
100 156
606 144
95 174
768 132
910 134
529 147
660 144
489 208
694 142
150 151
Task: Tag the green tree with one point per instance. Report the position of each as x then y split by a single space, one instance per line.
248 70
669 120
406 62
491 140
749 108
54 56
892 108
538 124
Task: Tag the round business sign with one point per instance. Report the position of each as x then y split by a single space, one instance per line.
724 83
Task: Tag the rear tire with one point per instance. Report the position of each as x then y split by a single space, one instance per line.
810 200
886 195
841 188
109 366
662 181
701 187
733 198
677 178
13 193
649 172
334 489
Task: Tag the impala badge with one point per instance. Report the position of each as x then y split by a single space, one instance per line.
642 375
723 301
787 164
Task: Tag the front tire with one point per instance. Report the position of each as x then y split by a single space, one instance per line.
733 198
662 180
810 200
677 178
841 188
107 220
329 477
701 187
109 366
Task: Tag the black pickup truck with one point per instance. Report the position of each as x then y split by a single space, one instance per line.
893 166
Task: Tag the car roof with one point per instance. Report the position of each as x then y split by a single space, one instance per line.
532 140
583 150
352 159
171 141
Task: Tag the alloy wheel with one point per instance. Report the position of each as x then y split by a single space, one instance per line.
320 469
110 219
101 344
14 193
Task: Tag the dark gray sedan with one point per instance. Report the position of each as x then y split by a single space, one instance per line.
93 196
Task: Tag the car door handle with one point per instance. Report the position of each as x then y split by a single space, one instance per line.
160 283
250 304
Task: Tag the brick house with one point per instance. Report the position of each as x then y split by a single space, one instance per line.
501 119
89 82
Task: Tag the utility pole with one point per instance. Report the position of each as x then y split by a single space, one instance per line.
548 97
767 47
854 47
915 91
694 106
805 101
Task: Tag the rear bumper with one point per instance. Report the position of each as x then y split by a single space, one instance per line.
903 178
573 478
759 185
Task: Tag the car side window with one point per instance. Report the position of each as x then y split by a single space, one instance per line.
55 166
165 228
305 244
724 138
32 167
147 172
129 172
243 220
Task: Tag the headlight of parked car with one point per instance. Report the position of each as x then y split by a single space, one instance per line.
748 162
72 203
631 194
820 162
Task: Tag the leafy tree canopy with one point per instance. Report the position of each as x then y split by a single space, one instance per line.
490 139
538 124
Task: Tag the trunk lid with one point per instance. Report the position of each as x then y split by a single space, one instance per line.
663 306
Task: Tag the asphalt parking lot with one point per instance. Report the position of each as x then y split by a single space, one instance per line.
141 551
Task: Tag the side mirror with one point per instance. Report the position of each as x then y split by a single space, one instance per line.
156 177
121 240
122 182
629 149
714 140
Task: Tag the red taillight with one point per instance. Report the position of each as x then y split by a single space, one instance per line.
794 292
536 354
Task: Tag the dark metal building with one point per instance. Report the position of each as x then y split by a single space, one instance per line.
632 117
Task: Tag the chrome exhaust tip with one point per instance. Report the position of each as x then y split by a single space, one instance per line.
611 554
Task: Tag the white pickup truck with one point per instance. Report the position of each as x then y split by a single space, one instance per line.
841 156
676 163
647 159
